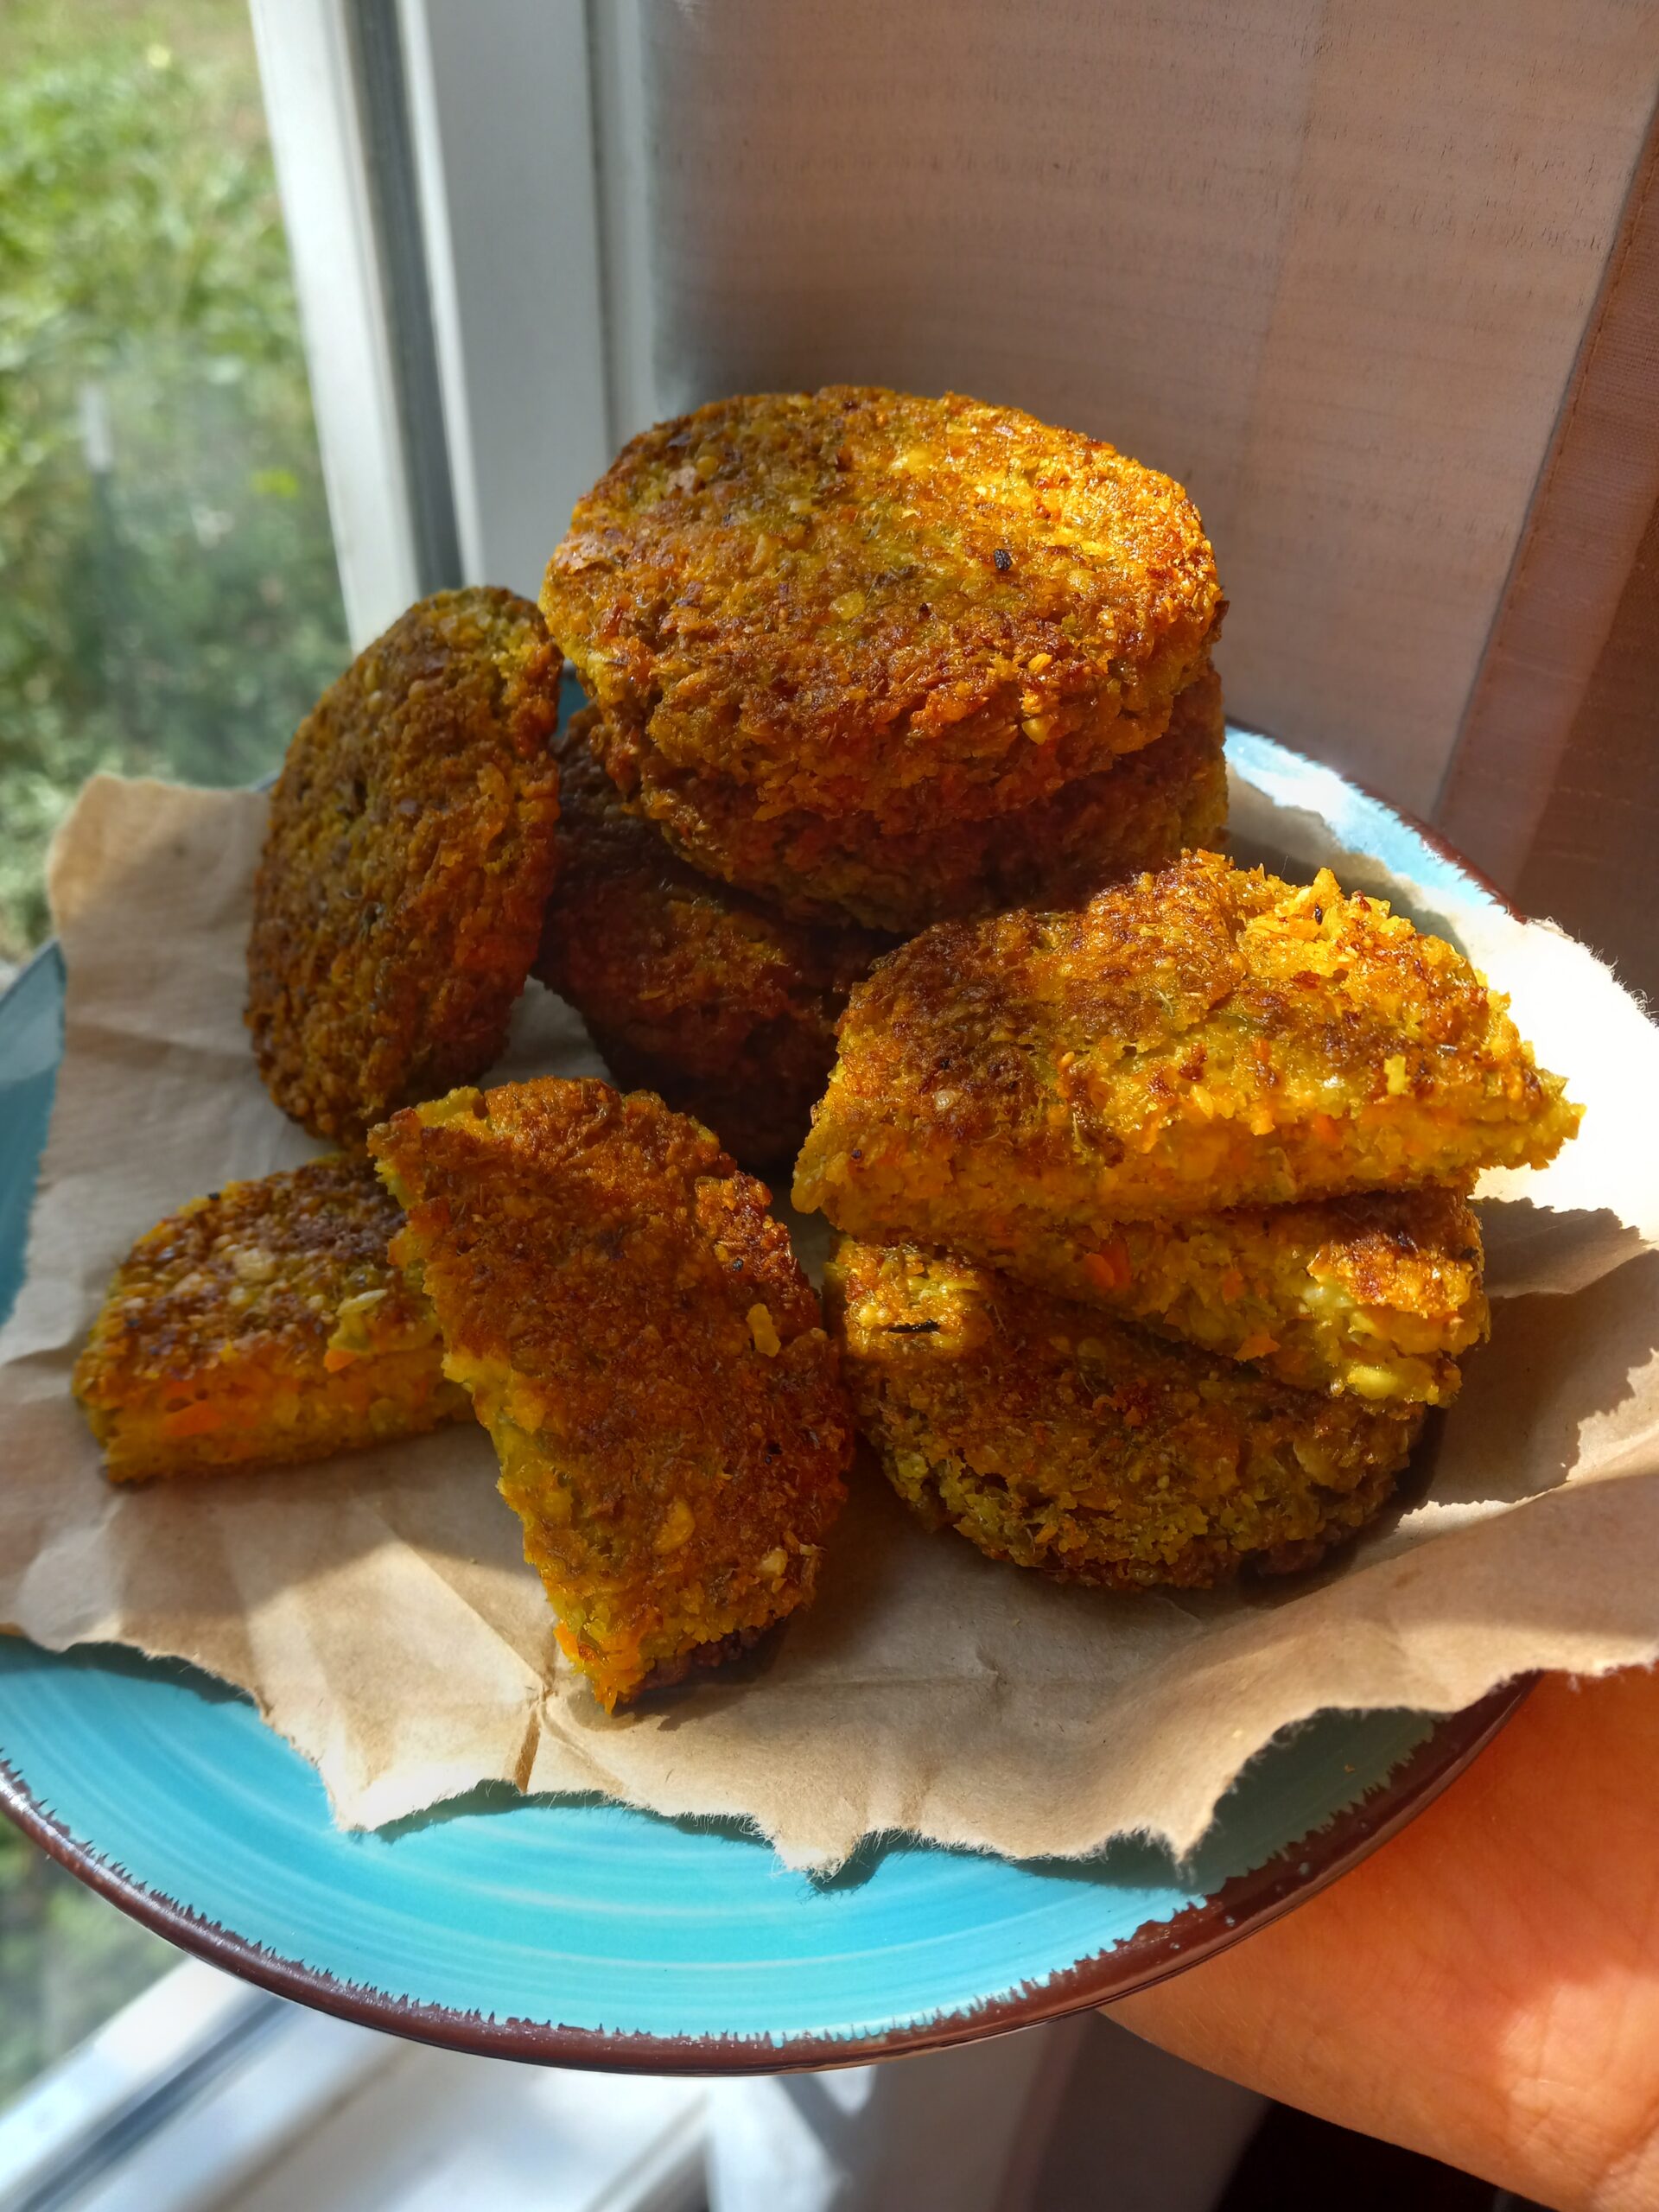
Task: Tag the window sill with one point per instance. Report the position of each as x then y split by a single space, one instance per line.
205 2093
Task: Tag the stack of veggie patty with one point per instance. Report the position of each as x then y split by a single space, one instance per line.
860 662
1208 1108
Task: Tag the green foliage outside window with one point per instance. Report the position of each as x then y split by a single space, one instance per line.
168 598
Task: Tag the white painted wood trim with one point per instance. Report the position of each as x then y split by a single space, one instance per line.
305 67
621 140
502 122
206 2094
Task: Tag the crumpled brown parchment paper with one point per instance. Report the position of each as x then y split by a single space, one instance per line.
377 1607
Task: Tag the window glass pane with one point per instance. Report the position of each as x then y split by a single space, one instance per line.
168 598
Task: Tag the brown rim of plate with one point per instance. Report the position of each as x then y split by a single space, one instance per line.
1155 1951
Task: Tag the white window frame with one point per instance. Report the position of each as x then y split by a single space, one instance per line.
502 123
308 71
207 2094
522 122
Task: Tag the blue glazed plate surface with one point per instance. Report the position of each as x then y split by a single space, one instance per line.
588 1934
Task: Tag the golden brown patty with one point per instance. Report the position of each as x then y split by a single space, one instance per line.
1056 1436
264 1324
688 988
856 599
1138 813
645 1353
408 860
1205 1038
1378 1294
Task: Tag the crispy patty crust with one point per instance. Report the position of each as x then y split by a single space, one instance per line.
1139 813
1059 1436
261 1325
408 860
688 988
858 600
647 1356
1379 1293
1203 1038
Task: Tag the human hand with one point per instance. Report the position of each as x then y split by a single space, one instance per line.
1485 1988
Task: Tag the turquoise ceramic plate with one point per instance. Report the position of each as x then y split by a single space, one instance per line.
587 1934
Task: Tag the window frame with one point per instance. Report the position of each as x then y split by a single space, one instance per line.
206 2090
310 73
506 163
468 238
